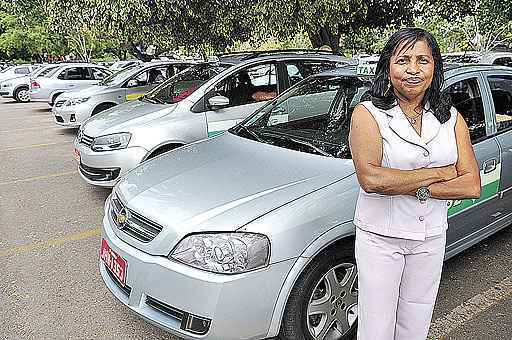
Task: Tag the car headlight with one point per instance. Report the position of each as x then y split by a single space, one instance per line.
76 101
114 141
224 253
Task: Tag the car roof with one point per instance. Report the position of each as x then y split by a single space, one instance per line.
449 69
291 54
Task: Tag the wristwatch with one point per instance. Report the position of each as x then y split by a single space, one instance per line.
423 194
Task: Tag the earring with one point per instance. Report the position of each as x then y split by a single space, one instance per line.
387 90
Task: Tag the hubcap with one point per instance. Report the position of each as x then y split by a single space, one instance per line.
24 95
332 308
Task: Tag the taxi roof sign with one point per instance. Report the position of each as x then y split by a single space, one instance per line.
367 66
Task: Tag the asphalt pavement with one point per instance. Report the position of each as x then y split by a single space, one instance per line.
49 241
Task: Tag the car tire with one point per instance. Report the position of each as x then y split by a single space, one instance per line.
102 107
313 289
22 95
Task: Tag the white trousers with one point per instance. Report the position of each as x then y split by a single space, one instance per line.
398 282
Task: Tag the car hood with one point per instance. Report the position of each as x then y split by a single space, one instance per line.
122 117
221 184
87 92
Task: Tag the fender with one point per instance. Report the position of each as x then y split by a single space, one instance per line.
20 86
328 238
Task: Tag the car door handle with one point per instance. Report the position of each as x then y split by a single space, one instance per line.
489 165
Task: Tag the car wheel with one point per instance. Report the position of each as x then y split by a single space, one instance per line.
323 302
22 95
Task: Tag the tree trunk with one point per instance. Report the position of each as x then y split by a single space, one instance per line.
320 36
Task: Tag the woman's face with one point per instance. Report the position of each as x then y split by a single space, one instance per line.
411 70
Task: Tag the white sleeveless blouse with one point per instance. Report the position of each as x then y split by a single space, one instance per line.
400 215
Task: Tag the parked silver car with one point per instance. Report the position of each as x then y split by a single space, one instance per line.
18 87
17 71
72 76
200 102
249 235
74 107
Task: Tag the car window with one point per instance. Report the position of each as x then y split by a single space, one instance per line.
72 73
298 70
466 97
22 70
503 61
313 117
184 84
98 73
501 90
47 71
249 85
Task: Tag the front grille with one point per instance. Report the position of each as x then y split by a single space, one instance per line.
100 175
85 140
126 289
59 119
133 223
60 103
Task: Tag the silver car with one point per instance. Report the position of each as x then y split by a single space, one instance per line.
200 102
18 87
249 235
74 107
67 77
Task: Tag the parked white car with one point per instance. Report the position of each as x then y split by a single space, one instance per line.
17 71
67 77
74 107
18 87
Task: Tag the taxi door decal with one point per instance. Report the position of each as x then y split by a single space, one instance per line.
133 96
216 128
490 187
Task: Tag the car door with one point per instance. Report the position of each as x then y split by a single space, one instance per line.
244 91
144 81
499 84
467 217
72 78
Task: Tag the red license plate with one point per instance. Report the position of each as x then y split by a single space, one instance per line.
115 263
76 155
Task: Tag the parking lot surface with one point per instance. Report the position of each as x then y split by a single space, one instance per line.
49 224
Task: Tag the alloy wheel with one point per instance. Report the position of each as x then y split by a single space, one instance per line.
332 307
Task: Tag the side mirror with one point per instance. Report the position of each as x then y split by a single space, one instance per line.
218 102
132 83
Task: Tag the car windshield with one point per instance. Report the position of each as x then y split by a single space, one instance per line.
40 72
6 69
313 117
184 84
119 76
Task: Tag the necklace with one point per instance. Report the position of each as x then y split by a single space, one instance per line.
413 118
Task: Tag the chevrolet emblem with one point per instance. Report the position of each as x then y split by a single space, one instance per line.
121 219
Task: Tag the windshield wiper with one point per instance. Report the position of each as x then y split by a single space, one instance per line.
300 142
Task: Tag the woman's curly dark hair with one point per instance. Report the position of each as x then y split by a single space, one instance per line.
382 94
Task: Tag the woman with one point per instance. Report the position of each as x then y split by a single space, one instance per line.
412 153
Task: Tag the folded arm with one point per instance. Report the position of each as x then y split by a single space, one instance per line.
366 147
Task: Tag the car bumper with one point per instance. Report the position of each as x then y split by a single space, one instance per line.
105 168
238 306
71 116
6 93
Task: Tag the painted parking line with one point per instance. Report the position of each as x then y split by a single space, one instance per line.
31 146
470 309
31 128
38 178
38 246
